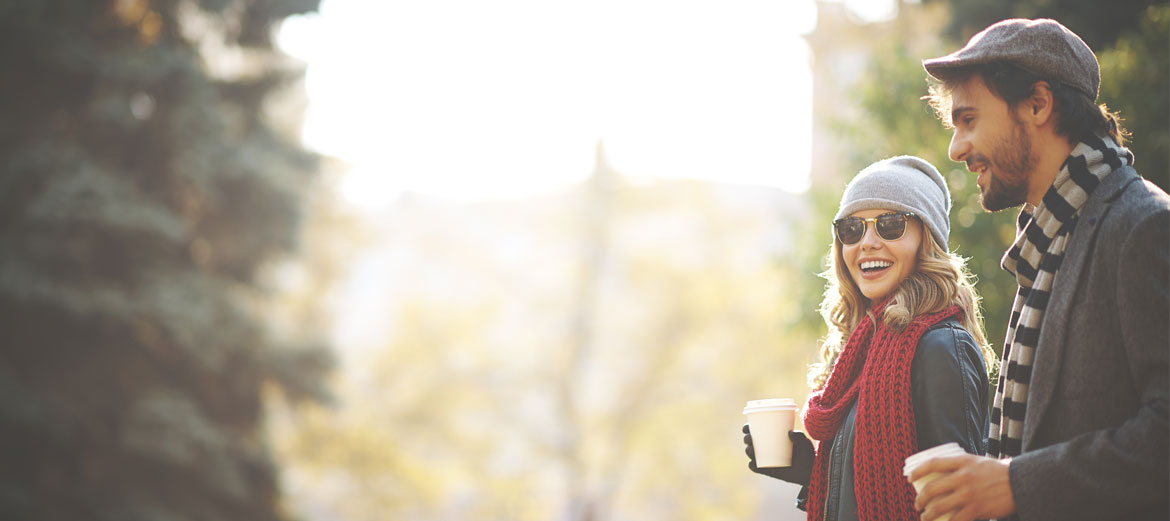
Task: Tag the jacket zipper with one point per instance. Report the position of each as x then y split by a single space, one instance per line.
828 484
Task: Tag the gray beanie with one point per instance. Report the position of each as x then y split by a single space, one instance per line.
904 183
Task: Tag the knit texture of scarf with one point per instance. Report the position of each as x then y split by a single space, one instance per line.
874 368
1034 259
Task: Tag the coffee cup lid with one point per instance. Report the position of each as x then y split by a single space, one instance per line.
916 459
770 404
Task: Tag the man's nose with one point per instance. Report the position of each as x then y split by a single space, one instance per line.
960 147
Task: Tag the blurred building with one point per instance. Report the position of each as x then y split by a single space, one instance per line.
841 47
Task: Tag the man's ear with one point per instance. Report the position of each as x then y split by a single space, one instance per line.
1038 107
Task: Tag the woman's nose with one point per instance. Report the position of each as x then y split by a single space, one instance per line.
870 240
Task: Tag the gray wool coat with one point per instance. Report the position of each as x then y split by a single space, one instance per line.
1096 444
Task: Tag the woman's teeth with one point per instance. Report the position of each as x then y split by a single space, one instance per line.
875 265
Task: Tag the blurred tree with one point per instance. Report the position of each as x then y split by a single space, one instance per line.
667 330
1135 81
578 357
418 422
807 262
1098 23
144 190
1130 38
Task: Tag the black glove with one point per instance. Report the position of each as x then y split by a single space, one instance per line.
802 458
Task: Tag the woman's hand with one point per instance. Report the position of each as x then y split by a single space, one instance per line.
802 458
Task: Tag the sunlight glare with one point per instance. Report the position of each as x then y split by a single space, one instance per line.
477 100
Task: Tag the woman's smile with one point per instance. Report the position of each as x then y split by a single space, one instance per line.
878 266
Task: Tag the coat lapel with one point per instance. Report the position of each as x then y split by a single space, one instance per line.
1053 332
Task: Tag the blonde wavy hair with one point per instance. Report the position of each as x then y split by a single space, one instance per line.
940 280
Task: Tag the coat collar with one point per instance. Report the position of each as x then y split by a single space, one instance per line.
1050 348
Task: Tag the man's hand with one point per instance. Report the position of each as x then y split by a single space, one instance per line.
973 487
802 458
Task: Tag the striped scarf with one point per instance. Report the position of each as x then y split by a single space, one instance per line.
1034 259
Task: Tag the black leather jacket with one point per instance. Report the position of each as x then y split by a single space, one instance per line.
950 393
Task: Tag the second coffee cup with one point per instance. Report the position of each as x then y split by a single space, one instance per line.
914 460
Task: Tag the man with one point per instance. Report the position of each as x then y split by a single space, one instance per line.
1079 419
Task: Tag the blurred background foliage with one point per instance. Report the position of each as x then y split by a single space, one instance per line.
169 252
585 375
146 191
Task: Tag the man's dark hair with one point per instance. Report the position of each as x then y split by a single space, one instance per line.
1077 118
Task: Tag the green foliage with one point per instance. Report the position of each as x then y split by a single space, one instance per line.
141 199
1098 23
1135 81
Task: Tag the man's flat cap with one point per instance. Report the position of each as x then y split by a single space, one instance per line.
1042 46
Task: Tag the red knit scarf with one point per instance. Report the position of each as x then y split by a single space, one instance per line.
874 367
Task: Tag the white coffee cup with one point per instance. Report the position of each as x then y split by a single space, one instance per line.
915 460
769 422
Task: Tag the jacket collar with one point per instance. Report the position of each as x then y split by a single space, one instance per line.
1050 348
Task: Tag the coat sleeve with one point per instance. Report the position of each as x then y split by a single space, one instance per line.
950 389
1122 471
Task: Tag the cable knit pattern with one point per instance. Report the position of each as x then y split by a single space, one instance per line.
874 367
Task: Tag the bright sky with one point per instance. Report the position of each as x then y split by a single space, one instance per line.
470 99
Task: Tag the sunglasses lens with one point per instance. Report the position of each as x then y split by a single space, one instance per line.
891 226
850 230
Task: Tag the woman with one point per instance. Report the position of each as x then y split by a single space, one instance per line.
905 364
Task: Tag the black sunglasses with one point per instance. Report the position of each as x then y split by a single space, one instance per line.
889 226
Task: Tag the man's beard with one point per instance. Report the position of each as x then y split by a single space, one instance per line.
1007 183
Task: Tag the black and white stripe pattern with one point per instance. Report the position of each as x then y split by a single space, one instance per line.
1034 259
